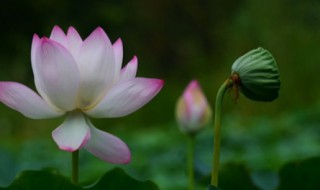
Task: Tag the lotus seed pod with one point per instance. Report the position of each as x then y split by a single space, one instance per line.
256 74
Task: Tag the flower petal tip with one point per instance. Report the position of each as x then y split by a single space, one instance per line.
133 63
72 31
134 59
99 34
56 28
99 30
35 37
160 82
127 160
71 28
118 42
194 83
156 84
67 148
44 40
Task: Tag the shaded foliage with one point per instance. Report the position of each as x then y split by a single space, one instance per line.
302 175
52 180
210 187
233 176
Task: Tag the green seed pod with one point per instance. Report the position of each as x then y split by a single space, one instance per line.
256 74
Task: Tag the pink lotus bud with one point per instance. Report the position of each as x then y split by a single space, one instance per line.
193 111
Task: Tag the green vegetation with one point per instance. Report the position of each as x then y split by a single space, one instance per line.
177 41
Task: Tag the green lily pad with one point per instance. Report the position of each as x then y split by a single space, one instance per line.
232 177
211 187
118 179
302 175
44 179
51 180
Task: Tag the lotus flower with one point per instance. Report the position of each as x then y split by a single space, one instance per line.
81 78
193 111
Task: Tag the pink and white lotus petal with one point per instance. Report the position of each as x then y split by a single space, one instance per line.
74 41
73 133
81 78
130 70
97 68
59 36
126 97
34 48
118 55
24 100
56 74
108 147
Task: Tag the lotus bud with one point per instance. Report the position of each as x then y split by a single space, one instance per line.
192 111
256 75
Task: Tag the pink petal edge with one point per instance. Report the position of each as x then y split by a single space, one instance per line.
73 133
108 147
130 70
58 35
97 67
127 97
74 41
22 99
118 54
57 77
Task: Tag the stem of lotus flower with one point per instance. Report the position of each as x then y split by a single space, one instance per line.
190 162
217 125
75 167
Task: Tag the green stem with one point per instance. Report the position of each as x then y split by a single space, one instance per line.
75 167
217 125
190 162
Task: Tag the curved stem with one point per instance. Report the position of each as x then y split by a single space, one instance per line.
190 162
75 167
217 125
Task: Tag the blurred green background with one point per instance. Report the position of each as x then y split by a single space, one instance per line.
177 41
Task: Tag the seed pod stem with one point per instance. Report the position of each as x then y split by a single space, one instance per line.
217 125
